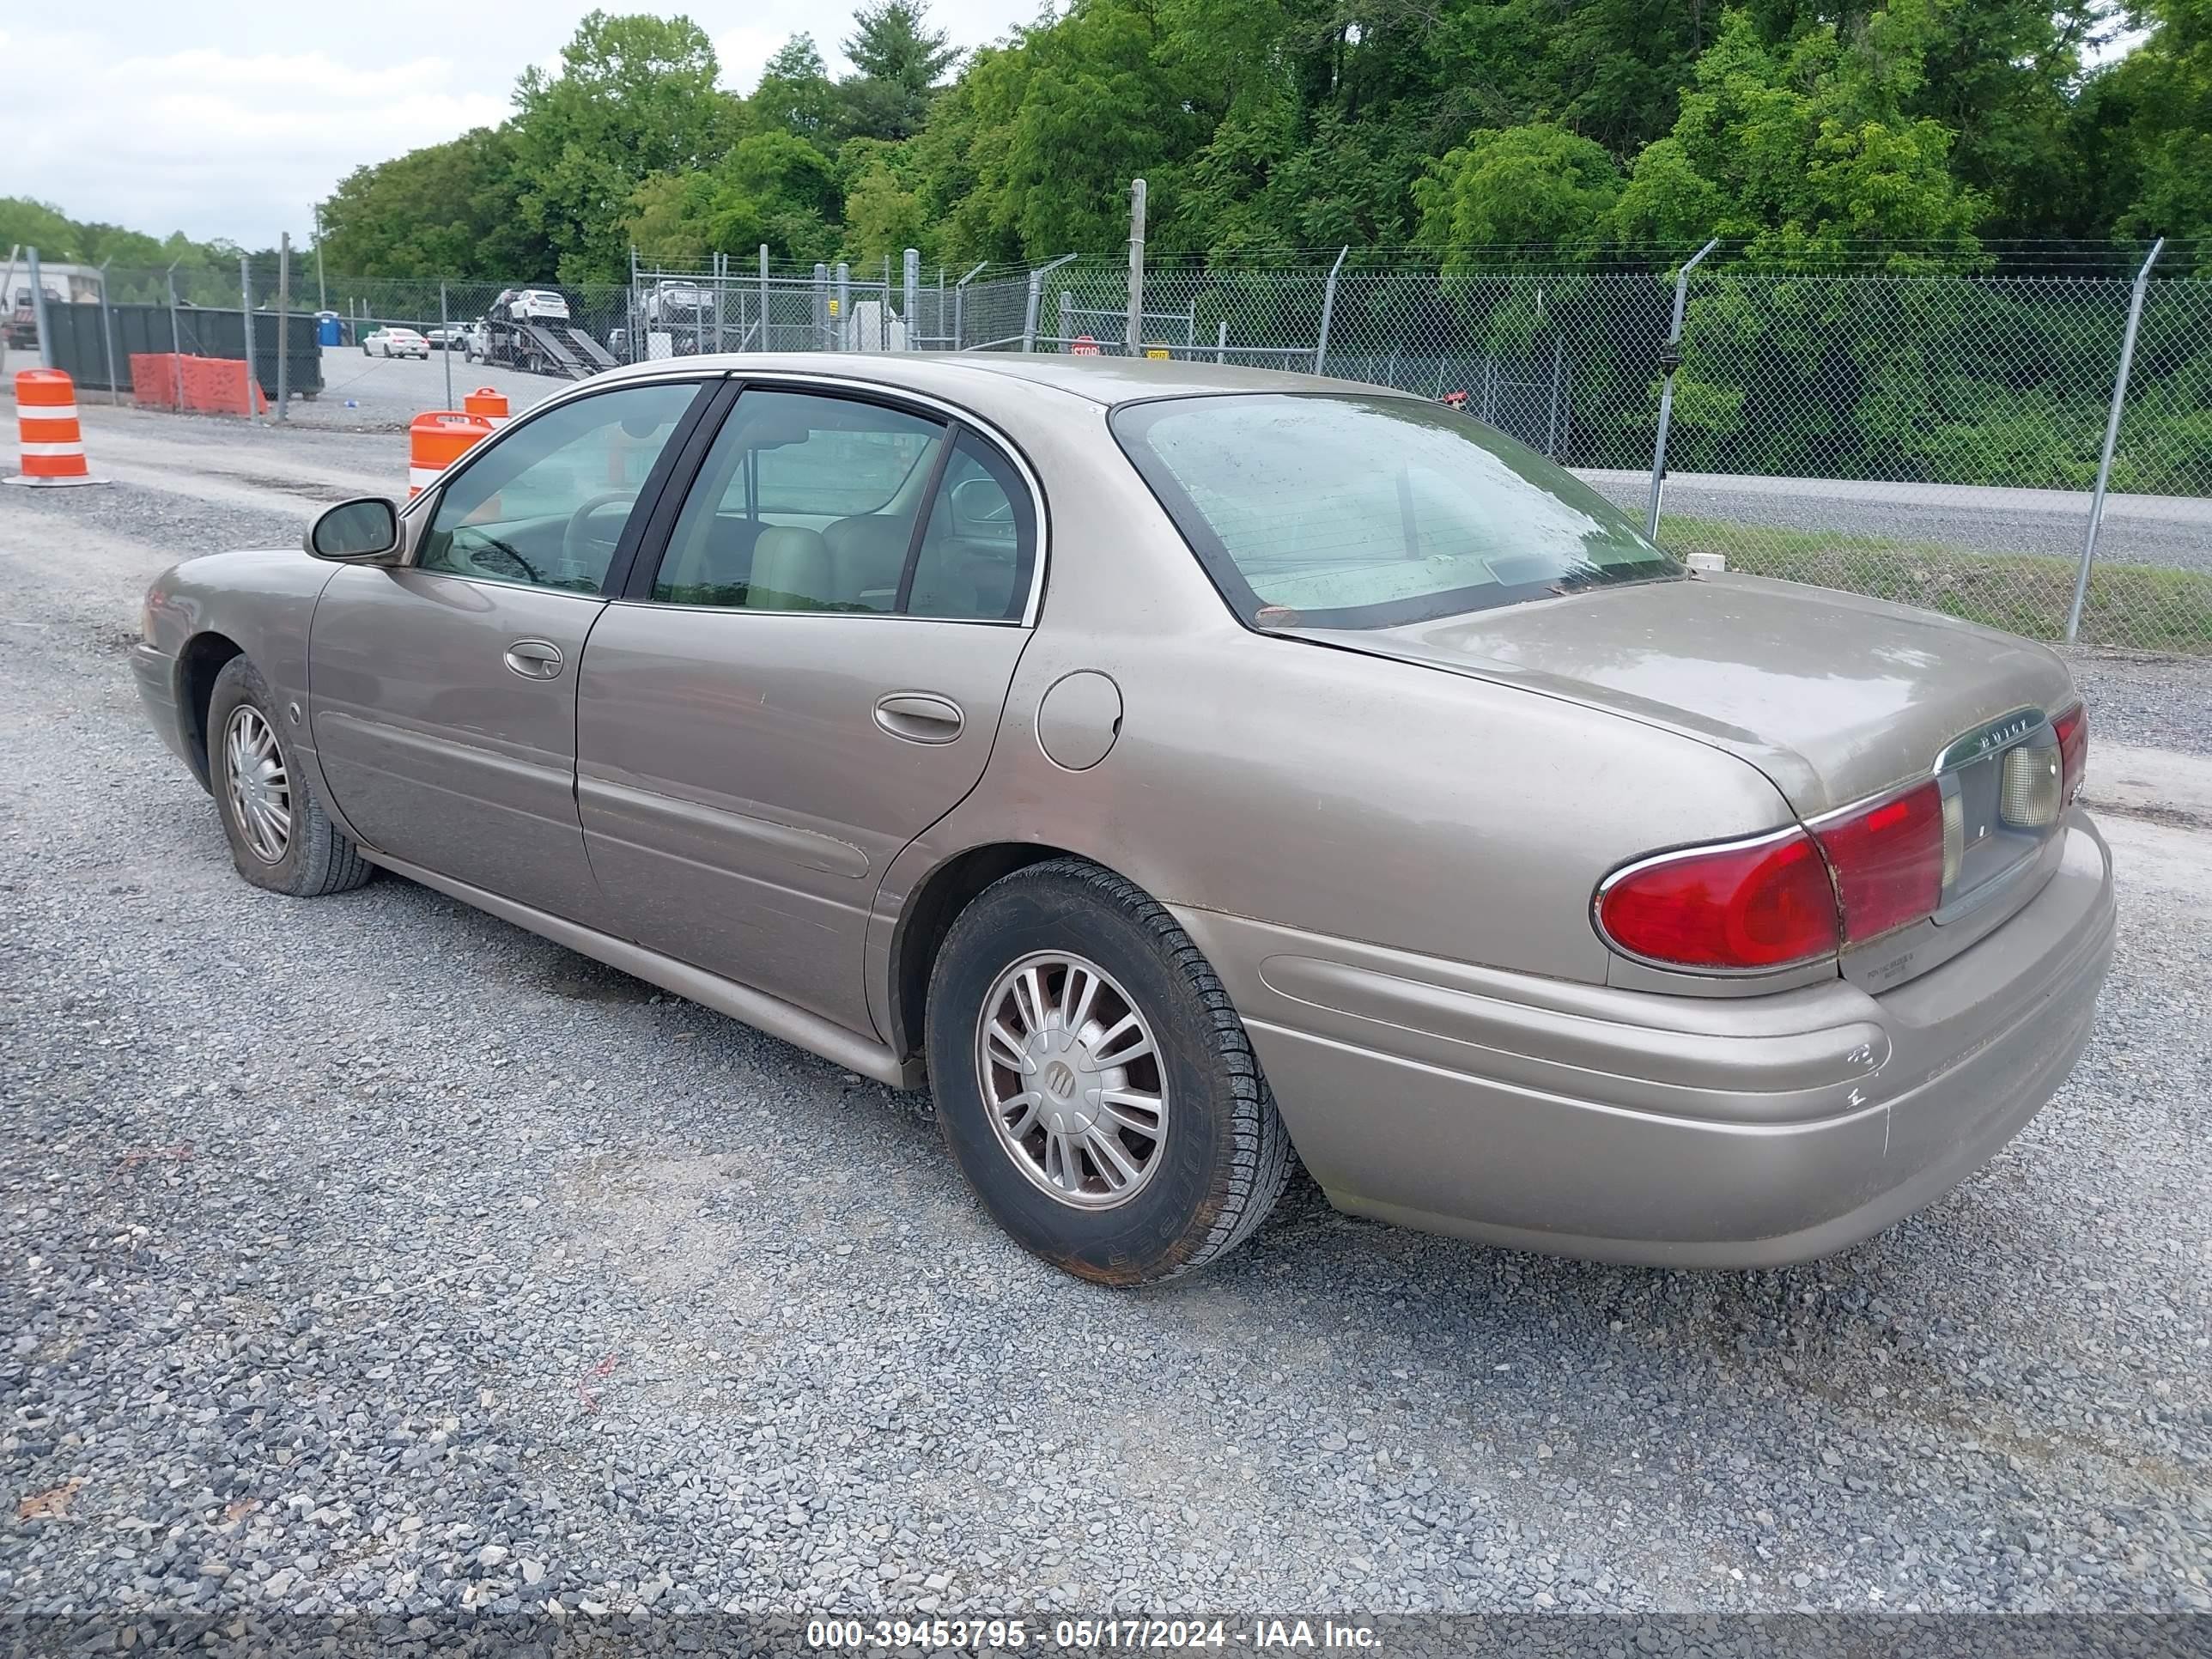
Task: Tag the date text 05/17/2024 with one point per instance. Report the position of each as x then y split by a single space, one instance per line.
1087 1635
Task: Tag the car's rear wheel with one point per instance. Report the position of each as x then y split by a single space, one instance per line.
1093 1081
279 836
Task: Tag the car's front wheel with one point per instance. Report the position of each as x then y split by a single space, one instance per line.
1093 1081
279 836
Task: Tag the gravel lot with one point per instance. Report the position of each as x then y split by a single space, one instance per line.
366 1252
376 394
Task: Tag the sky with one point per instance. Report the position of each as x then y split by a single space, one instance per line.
213 121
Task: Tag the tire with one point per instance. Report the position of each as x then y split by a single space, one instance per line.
315 857
1221 1157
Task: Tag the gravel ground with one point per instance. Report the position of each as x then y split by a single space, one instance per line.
2164 703
368 1254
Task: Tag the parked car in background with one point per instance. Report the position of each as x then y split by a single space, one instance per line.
395 343
670 301
453 336
1323 770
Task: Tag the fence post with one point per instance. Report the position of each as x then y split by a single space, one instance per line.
960 305
631 312
844 303
1221 340
38 310
764 265
107 336
1067 317
1136 341
246 312
1669 361
821 306
446 336
910 278
1328 309
2112 438
176 341
283 328
1037 298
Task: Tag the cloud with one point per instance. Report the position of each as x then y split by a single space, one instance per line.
217 142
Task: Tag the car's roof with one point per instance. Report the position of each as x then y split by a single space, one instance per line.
1107 381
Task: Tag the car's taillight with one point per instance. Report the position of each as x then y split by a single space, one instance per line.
1763 903
1888 859
1787 898
2072 726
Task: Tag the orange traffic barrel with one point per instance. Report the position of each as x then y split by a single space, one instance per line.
436 441
487 403
52 442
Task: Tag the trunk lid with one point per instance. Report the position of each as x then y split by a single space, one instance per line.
1832 696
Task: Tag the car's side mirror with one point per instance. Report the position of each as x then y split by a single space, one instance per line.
356 531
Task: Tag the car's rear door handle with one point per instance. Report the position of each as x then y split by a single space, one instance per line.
534 659
920 717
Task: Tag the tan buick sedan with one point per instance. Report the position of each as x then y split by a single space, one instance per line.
1183 768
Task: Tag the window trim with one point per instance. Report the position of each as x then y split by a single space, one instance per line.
956 419
622 563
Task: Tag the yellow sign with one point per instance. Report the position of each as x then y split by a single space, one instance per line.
833 307
1160 352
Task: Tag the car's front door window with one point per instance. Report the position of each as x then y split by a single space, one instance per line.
546 505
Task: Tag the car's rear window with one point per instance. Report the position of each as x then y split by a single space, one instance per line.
1371 511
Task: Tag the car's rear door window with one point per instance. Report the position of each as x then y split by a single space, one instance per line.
1371 511
805 503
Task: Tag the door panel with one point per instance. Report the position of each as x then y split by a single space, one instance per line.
444 693
741 794
442 752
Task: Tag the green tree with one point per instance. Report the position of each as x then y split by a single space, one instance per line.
634 96
2159 101
1805 150
449 209
1537 185
900 60
794 94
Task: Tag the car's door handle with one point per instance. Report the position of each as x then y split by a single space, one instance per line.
534 659
920 717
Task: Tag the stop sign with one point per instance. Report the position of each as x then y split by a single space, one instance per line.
1084 346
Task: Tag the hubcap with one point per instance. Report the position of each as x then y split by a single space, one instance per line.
260 789
1072 1079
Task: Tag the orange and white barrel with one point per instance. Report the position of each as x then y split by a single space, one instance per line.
51 442
488 403
436 441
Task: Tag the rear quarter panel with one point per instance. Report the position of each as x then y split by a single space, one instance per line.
1327 790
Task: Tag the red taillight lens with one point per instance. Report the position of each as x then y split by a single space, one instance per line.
1888 860
2073 729
1766 903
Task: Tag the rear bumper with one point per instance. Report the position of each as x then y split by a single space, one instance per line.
1678 1131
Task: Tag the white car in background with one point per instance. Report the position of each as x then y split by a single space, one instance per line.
395 343
531 305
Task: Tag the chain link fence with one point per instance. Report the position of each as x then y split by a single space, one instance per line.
1933 439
